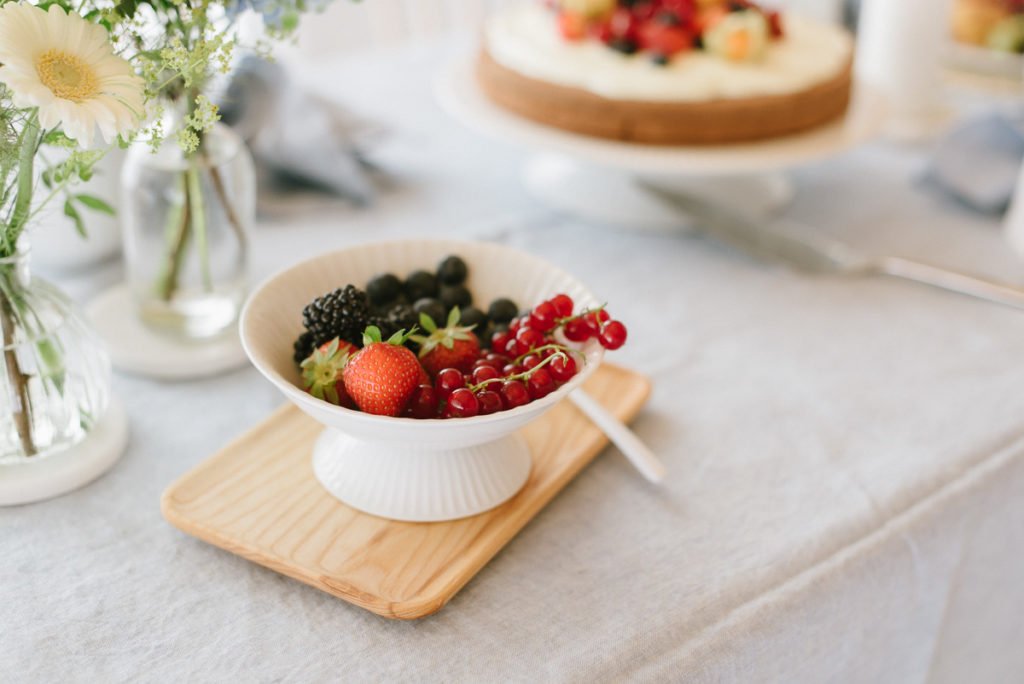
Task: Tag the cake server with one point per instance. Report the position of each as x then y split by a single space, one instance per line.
809 252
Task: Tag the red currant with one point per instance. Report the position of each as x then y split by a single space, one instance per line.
595 319
498 360
527 339
577 330
562 368
543 317
563 305
500 339
423 403
540 383
514 393
485 373
511 347
447 381
613 335
463 403
531 362
490 402
512 369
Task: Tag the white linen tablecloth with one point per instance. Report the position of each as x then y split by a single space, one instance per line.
846 464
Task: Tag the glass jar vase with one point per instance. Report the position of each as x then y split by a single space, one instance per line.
56 373
186 221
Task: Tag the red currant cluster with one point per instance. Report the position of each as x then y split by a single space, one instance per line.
525 363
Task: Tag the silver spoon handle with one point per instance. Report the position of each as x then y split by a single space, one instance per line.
642 458
953 281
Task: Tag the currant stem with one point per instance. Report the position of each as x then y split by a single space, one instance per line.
562 321
525 374
558 347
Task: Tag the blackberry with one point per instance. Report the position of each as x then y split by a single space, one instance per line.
452 271
394 318
383 289
303 347
343 313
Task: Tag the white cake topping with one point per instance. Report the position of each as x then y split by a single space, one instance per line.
525 38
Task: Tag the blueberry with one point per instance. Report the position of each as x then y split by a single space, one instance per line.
455 295
502 310
659 59
623 45
433 308
473 316
420 284
452 271
383 289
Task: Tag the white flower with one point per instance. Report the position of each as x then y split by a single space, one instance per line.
66 66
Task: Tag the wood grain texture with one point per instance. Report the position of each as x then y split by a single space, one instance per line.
258 498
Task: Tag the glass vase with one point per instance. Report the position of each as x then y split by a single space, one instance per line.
186 221
56 373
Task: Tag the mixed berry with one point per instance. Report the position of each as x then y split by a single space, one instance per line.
737 30
449 359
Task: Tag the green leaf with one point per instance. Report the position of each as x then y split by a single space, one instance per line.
96 204
76 218
371 335
427 322
453 316
398 338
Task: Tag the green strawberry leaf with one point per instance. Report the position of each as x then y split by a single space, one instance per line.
371 335
453 317
427 322
448 343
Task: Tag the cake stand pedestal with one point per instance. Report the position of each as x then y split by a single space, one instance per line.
594 178
613 197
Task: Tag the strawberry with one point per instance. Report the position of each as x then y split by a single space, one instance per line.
452 346
322 372
382 376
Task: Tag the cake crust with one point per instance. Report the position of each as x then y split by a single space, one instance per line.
713 122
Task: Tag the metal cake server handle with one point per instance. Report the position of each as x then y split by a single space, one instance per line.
814 253
642 458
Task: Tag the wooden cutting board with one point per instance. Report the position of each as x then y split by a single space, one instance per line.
258 498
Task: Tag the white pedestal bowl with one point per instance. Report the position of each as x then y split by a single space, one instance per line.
403 468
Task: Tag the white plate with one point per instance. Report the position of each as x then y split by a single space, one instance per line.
457 90
985 61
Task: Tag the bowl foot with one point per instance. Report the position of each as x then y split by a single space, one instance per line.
404 482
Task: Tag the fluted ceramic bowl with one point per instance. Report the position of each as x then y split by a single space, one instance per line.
404 468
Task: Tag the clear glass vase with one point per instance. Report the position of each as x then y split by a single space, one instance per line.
186 221
56 373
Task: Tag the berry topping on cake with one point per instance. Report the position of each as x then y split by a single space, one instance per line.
737 30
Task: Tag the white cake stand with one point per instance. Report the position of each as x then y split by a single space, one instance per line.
595 179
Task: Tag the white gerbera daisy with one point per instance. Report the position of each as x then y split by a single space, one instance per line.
66 66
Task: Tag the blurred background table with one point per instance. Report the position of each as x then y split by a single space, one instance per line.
846 461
